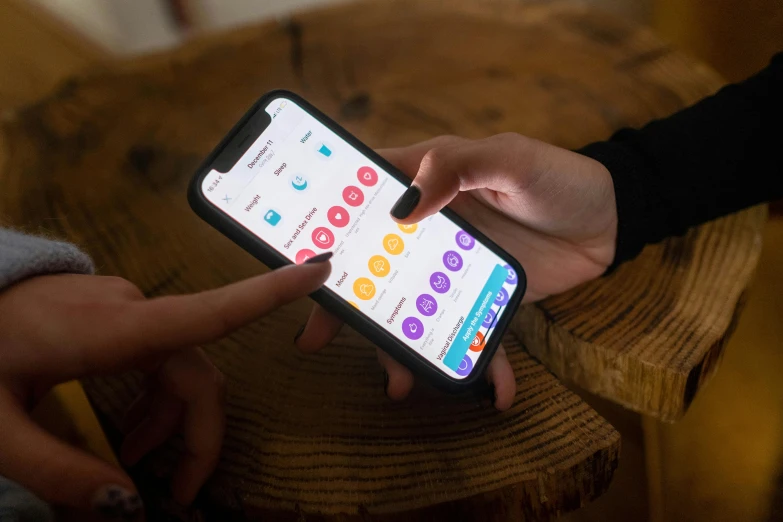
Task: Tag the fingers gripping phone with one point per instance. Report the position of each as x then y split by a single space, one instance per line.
288 183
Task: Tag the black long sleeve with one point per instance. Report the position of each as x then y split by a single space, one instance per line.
716 157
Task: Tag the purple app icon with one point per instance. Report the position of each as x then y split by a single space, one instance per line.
452 260
412 328
464 240
511 278
465 366
502 297
440 282
426 305
489 319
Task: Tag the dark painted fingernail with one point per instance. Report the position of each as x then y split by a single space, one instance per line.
117 503
386 382
299 333
320 258
406 203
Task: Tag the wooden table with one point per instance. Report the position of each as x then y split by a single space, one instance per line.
105 162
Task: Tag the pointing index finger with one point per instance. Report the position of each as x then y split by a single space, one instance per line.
171 322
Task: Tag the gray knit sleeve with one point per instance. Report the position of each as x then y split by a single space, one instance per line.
23 256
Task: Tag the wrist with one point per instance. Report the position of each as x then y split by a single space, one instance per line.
630 202
23 256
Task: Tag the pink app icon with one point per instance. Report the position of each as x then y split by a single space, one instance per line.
303 255
338 216
367 176
353 196
323 237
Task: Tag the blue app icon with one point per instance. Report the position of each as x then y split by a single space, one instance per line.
325 150
299 183
272 217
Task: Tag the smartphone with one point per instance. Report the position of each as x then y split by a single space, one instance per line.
288 183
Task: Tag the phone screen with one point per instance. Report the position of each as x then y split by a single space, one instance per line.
304 190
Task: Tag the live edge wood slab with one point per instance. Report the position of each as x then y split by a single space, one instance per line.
105 161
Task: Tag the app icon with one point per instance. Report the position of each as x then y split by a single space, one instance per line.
338 216
427 305
324 150
477 344
299 183
323 237
464 240
353 304
489 318
364 289
412 328
367 176
408 229
353 196
272 217
440 282
379 266
452 260
303 255
465 367
511 278
502 297
393 244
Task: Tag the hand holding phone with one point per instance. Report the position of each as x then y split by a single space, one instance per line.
288 184
435 293
553 209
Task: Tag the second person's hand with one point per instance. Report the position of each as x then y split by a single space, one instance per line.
552 209
55 328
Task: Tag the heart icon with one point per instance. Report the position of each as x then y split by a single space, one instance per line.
367 176
364 289
393 244
323 237
338 216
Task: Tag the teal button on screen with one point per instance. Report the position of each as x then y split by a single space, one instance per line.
473 321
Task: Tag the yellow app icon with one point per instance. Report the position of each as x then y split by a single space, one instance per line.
379 266
408 229
353 304
393 244
364 288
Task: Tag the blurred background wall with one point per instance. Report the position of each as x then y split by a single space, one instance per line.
736 37
133 26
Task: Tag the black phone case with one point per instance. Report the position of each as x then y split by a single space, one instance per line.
325 297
